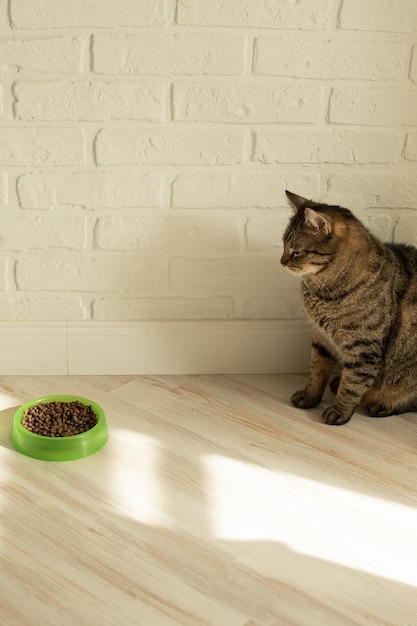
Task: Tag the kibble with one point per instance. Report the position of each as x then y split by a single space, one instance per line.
59 419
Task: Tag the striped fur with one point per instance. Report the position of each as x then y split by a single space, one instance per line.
361 297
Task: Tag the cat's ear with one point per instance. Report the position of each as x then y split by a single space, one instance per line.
298 202
317 221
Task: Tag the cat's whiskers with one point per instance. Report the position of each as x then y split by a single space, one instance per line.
319 288
307 286
337 277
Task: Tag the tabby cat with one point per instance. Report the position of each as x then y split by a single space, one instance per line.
361 298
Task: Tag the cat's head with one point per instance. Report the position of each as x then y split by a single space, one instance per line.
314 235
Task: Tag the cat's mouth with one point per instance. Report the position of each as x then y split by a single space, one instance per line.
308 269
295 270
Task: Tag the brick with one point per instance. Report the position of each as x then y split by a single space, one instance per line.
4 273
173 233
246 102
130 146
374 106
4 22
162 308
265 233
79 14
4 190
57 54
410 150
90 190
393 16
78 273
287 307
224 276
42 146
370 190
39 308
75 101
240 189
413 67
191 54
287 283
37 233
6 103
356 60
281 14
406 228
348 147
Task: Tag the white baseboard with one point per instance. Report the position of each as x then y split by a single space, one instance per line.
84 348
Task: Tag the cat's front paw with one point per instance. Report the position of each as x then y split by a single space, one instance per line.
303 400
335 417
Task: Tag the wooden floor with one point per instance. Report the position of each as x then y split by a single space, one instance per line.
214 502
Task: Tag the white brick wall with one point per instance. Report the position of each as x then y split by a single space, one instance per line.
145 146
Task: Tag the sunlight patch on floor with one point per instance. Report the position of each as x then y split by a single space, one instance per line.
7 401
136 488
251 503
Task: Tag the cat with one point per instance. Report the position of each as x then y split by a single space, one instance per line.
360 295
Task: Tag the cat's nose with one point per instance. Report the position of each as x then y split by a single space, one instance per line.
285 258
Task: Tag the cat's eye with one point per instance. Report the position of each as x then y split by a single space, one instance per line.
296 252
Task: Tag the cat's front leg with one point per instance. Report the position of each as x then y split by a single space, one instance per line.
353 385
321 366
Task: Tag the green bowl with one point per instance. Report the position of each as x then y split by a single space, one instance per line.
59 448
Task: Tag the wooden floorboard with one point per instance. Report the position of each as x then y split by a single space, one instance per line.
214 503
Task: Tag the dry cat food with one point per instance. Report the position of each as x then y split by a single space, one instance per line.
59 419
